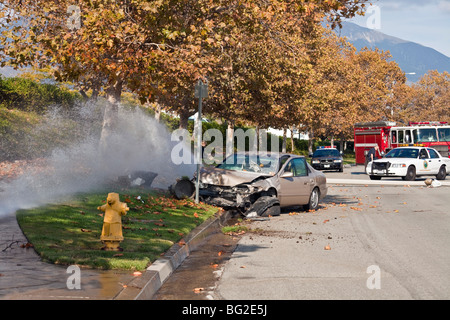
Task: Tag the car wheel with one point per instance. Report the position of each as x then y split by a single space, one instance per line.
442 174
375 178
313 203
411 174
263 207
272 211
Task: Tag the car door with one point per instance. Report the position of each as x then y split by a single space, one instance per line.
435 161
424 165
296 188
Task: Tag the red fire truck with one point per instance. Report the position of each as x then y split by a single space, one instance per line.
387 135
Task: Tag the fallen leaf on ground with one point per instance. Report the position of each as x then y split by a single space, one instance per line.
198 290
327 247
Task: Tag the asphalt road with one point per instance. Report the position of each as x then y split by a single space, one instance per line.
365 242
385 242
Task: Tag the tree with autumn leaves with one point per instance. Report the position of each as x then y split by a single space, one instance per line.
106 46
268 63
155 49
349 87
426 100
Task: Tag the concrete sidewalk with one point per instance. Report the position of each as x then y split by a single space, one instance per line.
24 276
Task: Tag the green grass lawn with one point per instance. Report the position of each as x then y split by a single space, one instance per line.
69 232
349 159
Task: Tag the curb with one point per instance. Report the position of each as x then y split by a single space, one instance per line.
146 285
382 182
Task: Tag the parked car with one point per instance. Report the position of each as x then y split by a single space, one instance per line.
327 158
259 185
408 163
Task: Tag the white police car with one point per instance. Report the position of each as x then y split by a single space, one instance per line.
408 163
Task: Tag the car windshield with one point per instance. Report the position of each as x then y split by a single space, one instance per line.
253 163
326 153
444 134
402 153
426 135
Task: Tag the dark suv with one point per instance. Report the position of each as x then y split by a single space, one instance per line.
327 158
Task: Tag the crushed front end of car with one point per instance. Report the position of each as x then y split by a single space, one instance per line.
247 193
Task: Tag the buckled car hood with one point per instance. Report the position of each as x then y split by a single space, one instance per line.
222 177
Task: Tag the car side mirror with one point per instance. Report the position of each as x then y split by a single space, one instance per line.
287 174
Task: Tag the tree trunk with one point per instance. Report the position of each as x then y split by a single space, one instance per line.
158 112
310 141
292 139
283 145
111 115
257 141
86 98
184 118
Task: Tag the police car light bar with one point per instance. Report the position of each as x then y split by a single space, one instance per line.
411 145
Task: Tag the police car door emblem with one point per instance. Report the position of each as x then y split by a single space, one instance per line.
425 164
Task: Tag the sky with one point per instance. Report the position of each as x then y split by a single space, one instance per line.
426 22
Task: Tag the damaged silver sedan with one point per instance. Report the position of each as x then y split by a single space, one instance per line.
258 184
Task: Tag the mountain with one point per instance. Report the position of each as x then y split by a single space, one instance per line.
410 56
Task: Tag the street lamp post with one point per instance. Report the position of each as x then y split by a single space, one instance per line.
201 91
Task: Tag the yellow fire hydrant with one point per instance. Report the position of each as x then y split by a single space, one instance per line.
112 222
